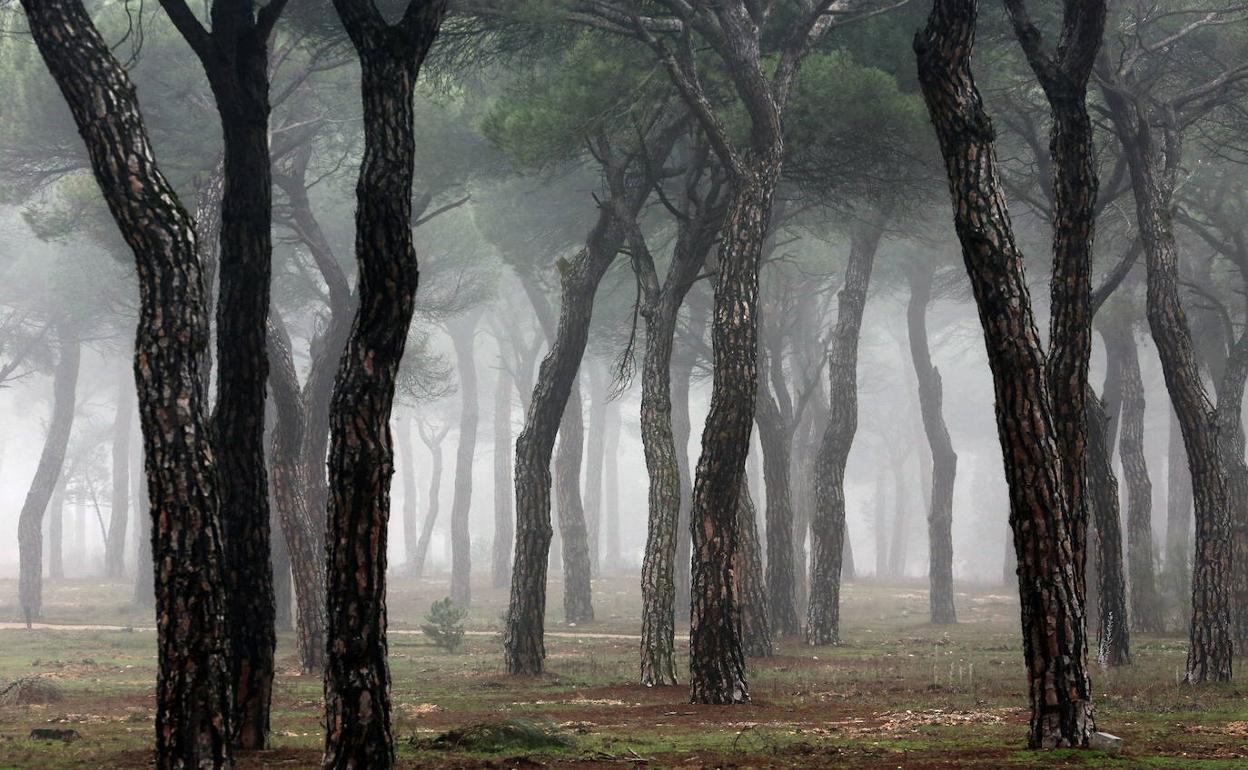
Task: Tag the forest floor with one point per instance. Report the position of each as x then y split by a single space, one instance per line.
898 693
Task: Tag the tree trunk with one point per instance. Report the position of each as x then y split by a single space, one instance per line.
235 58
504 508
776 437
827 524
192 690
716 660
1043 514
144 573
1229 415
115 543
1113 629
434 443
524 648
299 526
577 569
1210 650
411 533
361 458
283 588
944 459
1178 512
682 429
751 586
462 335
1146 613
47 473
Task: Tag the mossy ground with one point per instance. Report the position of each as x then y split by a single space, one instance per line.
899 693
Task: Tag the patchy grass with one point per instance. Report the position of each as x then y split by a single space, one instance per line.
899 693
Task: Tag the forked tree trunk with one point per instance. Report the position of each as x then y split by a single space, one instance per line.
462 335
298 525
578 604
47 473
119 516
1042 514
751 584
235 57
827 524
1146 613
1210 648
433 440
361 459
504 507
192 723
944 459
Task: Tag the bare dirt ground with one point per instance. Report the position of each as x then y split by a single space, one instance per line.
899 693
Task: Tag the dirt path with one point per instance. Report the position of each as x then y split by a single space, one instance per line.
7 626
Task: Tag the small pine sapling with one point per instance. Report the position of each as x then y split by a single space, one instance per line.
444 624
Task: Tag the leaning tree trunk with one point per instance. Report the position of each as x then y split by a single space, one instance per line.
47 474
1113 629
462 336
944 459
716 659
577 567
827 524
357 679
289 485
751 585
1178 560
1145 604
1210 650
504 509
192 721
1041 511
524 648
411 536
115 543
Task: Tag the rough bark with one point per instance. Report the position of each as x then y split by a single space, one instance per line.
1112 620
1153 176
578 604
299 526
751 584
944 459
1121 350
462 333
357 681
504 507
668 476
827 525
47 473
1229 415
235 58
1043 515
775 433
192 721
119 516
523 639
